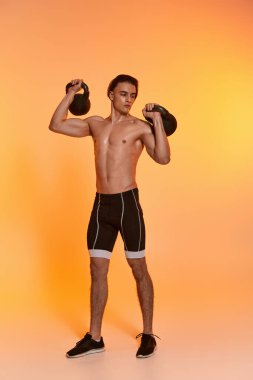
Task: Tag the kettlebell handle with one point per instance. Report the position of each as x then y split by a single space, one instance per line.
83 86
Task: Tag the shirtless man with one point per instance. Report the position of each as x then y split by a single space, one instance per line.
118 143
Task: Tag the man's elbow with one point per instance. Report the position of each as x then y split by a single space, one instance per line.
53 127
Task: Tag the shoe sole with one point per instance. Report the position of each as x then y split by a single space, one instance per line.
146 356
86 353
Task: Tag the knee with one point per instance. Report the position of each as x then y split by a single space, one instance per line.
139 268
99 268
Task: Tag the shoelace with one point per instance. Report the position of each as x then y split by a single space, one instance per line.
137 336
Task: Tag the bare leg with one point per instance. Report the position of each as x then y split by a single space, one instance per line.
99 293
145 292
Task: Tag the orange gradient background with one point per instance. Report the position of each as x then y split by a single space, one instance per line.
195 58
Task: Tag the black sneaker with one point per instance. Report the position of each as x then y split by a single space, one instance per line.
148 345
86 346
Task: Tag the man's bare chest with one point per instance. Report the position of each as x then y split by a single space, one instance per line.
118 136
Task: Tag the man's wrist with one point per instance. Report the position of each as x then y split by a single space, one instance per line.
156 118
70 96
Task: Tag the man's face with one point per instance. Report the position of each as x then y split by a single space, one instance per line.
123 97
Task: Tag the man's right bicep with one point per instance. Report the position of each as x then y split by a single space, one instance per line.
73 127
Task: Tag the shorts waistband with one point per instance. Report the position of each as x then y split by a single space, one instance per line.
117 195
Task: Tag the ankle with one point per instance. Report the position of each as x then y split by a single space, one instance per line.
96 337
148 332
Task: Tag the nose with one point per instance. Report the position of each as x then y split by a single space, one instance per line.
129 99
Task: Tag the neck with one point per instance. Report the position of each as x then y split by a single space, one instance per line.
117 116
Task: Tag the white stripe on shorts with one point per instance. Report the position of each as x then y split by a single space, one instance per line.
139 220
123 208
97 223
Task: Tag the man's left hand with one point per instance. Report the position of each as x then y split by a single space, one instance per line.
147 112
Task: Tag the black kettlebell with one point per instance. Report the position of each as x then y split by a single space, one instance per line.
81 103
169 121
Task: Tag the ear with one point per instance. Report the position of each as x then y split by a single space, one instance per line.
111 96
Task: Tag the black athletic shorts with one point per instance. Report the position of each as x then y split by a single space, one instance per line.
113 213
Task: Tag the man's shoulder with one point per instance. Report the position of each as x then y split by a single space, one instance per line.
94 118
143 124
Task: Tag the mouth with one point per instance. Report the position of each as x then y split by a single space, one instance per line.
127 106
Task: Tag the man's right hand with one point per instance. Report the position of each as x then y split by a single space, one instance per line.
76 86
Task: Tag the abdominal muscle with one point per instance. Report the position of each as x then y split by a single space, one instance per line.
116 166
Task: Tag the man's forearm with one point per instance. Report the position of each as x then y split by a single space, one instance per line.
61 111
162 148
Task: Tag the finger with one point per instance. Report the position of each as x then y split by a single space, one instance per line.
80 81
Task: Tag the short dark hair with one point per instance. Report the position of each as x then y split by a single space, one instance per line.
120 79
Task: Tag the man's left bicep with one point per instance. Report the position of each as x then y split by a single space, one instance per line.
148 140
